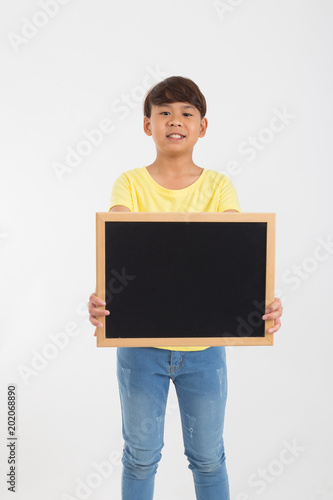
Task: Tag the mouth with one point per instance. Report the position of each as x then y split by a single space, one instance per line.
175 137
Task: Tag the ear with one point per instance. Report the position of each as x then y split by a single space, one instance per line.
146 125
203 127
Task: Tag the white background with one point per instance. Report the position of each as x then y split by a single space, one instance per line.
64 77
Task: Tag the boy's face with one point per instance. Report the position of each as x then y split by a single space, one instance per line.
175 127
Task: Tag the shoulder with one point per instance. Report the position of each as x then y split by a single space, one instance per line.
134 174
217 177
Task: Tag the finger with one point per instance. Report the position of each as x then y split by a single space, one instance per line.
97 301
96 311
92 305
272 315
275 328
94 321
274 306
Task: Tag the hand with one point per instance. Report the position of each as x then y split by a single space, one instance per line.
274 311
95 311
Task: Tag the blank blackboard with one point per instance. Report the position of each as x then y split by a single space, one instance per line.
185 278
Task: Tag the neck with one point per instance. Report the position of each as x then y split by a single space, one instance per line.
175 166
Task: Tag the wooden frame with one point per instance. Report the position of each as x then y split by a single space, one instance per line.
268 268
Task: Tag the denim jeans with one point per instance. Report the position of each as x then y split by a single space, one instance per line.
200 380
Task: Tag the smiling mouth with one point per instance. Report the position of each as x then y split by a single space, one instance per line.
175 137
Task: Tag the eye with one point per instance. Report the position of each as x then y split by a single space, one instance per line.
188 114
164 112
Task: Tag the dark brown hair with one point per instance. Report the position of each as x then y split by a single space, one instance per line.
175 89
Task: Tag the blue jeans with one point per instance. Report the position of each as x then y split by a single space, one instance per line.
200 379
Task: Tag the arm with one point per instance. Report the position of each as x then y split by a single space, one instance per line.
120 208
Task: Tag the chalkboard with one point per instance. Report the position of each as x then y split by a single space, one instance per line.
184 278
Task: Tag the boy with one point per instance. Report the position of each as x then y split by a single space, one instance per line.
174 115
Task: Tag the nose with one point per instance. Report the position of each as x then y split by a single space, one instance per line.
175 121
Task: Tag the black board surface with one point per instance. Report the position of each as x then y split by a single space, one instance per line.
185 279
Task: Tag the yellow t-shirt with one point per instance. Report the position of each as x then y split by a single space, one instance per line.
211 192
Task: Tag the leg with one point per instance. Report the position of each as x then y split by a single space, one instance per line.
201 386
143 378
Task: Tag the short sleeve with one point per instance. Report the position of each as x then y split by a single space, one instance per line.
121 193
228 197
